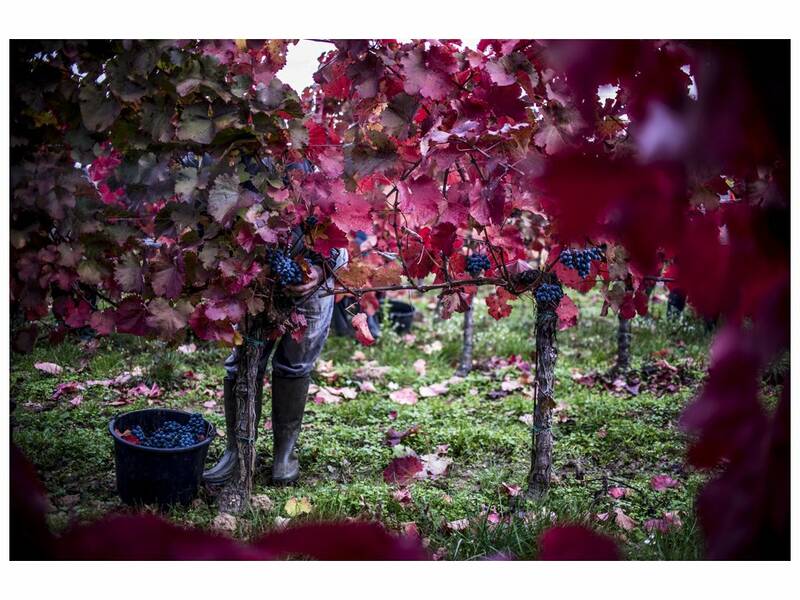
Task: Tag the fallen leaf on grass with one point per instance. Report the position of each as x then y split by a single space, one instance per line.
102 382
623 520
435 466
510 386
458 524
435 389
420 366
122 401
527 418
67 389
324 369
143 389
409 528
432 348
584 379
371 370
359 356
76 400
297 506
367 386
281 522
671 520
402 470
394 437
334 395
49 368
210 404
619 492
661 483
325 396
404 396
403 496
511 490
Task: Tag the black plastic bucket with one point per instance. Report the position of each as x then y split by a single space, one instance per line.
162 476
401 315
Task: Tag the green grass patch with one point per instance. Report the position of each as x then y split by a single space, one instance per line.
600 438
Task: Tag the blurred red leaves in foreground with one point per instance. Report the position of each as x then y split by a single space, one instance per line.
574 542
148 537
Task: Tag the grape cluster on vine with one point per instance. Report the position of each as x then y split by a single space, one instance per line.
477 263
284 268
549 292
580 259
172 434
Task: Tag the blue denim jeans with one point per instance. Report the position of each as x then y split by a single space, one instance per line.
293 359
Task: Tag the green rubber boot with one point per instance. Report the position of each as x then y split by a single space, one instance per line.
288 405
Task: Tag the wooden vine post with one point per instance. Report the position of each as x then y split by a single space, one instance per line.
623 346
465 363
235 497
546 355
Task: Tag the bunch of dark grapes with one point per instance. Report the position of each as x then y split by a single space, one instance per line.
580 259
284 268
549 292
172 434
197 425
139 433
477 263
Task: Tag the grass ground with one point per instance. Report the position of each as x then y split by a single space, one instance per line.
616 439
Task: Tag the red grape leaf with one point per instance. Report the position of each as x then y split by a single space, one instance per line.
224 197
329 237
402 470
427 73
128 273
498 303
567 313
363 334
166 319
575 542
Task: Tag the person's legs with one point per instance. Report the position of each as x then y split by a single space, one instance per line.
223 470
291 369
